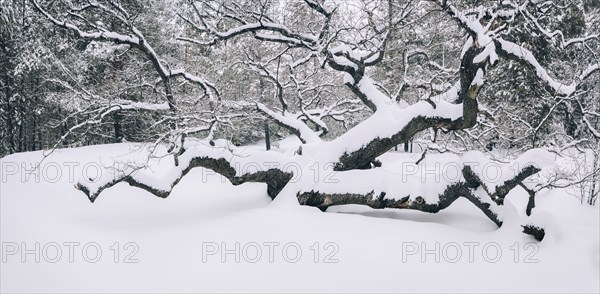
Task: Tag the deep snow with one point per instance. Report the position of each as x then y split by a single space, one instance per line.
370 246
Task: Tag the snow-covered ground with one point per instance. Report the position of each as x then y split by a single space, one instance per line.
187 242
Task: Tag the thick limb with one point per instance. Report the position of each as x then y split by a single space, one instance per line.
237 165
388 191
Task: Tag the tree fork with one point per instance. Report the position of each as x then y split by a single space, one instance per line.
376 147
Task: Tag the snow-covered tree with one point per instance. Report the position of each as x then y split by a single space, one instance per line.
311 68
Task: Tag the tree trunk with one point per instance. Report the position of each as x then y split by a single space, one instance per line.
117 126
9 111
267 137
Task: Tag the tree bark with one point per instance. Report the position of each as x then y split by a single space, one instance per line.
267 137
118 127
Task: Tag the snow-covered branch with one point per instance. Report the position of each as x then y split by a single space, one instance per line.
291 122
525 56
261 28
236 164
564 43
393 189
486 37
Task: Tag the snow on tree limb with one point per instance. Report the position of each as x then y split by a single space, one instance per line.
137 40
208 87
384 188
493 44
551 35
592 68
239 165
293 124
526 56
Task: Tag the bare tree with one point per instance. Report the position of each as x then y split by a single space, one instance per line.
351 42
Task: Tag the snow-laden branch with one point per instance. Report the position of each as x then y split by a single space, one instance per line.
97 114
336 111
292 123
524 55
457 177
272 78
262 28
209 88
124 105
557 33
362 144
592 68
382 131
99 36
487 38
366 90
319 8
590 126
341 58
137 40
500 180
239 165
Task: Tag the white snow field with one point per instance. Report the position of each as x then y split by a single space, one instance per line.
52 235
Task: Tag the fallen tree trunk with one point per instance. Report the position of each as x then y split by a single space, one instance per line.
379 201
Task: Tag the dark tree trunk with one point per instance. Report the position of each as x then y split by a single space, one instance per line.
267 137
118 128
8 85
21 139
34 132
